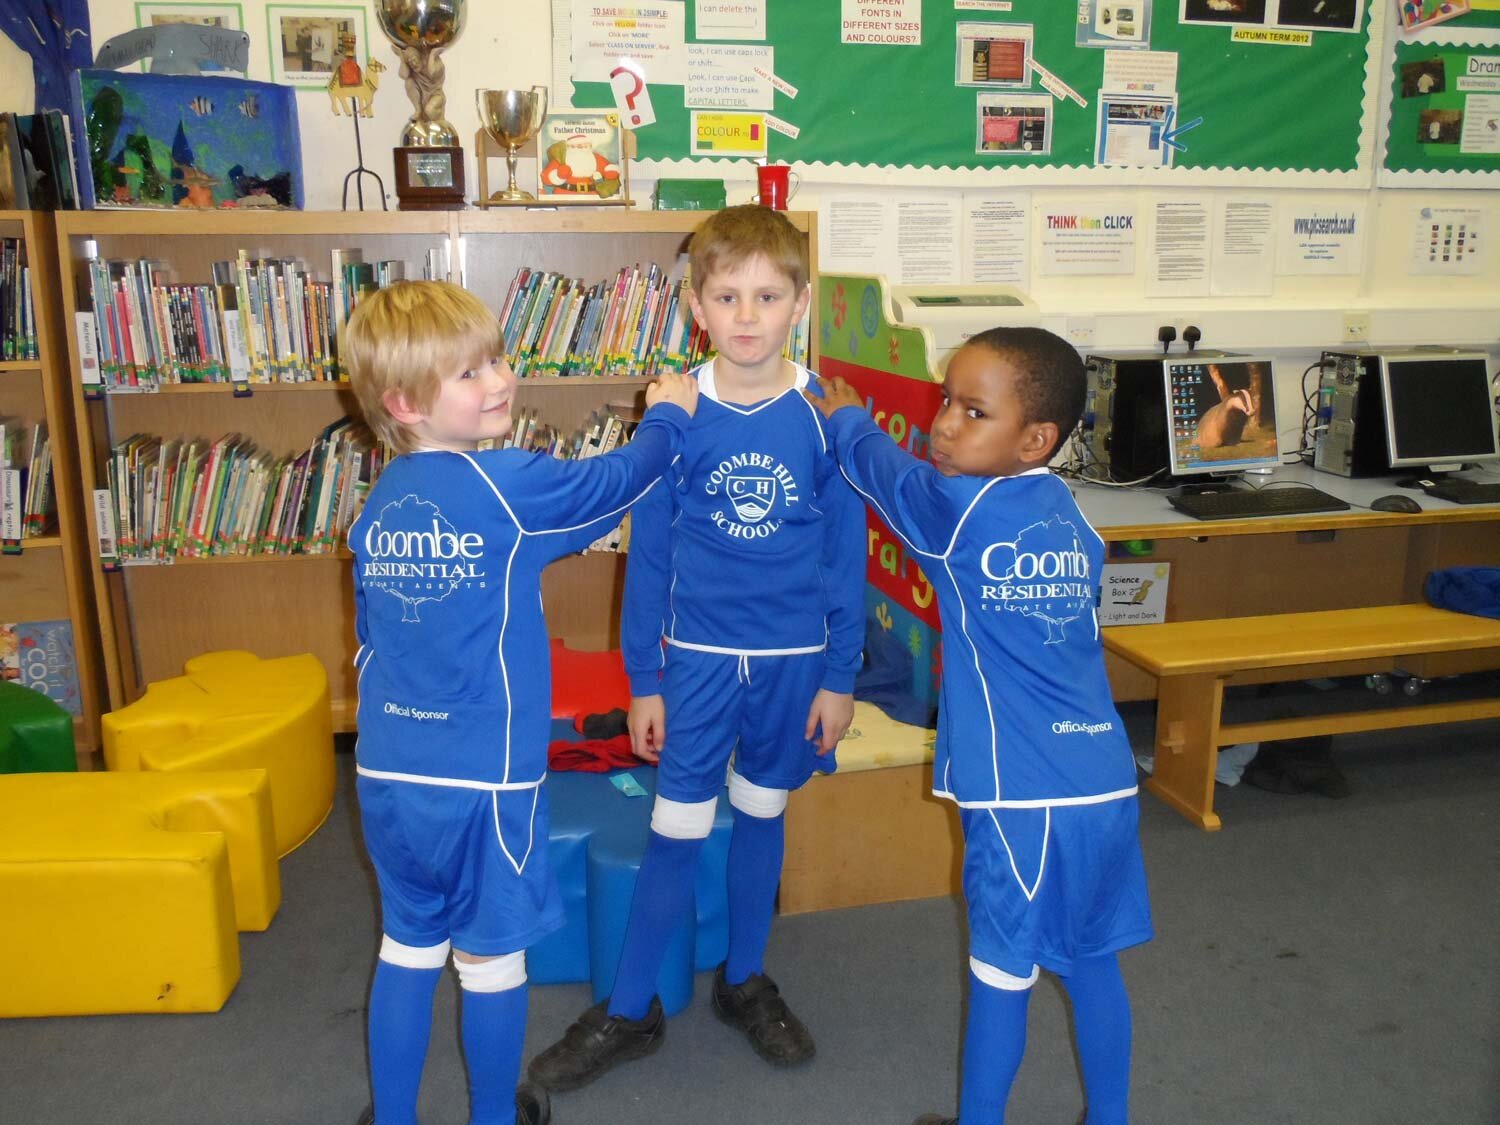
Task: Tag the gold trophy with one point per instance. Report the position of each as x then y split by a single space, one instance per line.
512 118
429 161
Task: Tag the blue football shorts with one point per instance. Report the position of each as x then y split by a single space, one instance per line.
466 865
1050 886
754 707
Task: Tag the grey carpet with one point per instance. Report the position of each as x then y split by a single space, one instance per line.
1318 961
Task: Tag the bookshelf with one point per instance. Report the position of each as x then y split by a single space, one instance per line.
153 617
49 579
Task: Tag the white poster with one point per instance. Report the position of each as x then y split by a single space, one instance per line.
729 19
1321 239
1140 72
1087 238
854 234
996 243
1447 240
888 23
1179 249
650 35
1481 128
927 241
1243 264
722 76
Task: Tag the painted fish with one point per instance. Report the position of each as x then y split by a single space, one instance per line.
201 105
250 105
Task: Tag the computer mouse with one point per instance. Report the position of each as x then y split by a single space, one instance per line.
1395 502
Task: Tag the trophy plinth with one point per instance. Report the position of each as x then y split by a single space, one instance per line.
512 118
429 160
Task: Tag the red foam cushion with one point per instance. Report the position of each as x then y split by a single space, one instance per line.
587 683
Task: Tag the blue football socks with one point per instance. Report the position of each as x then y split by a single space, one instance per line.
663 894
1101 1020
755 853
493 1029
400 1025
994 1041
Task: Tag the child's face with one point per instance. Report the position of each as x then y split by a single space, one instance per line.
471 405
980 430
748 311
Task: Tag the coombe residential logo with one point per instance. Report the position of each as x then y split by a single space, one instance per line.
1043 574
752 483
414 554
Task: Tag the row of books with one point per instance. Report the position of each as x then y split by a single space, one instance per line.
28 506
17 312
261 320
37 170
636 323
39 655
194 499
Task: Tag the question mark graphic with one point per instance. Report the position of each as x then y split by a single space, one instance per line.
635 83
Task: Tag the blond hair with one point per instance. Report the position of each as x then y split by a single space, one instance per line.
729 238
406 338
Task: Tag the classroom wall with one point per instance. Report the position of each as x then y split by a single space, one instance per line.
510 45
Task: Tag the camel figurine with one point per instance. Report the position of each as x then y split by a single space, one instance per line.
352 92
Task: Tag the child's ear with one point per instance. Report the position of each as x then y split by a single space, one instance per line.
1037 442
802 299
400 408
697 306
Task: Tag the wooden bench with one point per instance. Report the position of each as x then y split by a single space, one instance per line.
1194 661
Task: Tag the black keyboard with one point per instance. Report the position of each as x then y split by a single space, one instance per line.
1240 503
1464 491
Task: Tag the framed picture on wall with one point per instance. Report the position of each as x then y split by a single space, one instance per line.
308 41
209 15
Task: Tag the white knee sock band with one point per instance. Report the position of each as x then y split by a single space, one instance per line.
755 800
497 974
413 956
999 978
680 820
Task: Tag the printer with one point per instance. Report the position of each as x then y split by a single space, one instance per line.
953 313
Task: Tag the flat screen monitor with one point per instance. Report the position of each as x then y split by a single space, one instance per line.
1439 410
1221 414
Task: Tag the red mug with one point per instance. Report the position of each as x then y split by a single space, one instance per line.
777 185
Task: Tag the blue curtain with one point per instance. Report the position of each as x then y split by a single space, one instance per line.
55 33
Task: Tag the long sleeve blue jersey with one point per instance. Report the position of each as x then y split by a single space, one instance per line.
1025 717
757 548
454 678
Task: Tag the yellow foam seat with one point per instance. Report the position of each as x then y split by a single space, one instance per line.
123 892
233 710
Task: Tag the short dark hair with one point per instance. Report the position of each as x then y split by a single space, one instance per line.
1049 375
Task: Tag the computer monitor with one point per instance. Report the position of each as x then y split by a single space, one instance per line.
1439 410
1221 415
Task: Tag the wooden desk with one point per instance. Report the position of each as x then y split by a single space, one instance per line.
1295 564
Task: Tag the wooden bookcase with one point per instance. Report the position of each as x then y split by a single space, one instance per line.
154 617
48 580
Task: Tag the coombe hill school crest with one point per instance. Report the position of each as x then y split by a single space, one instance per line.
1043 574
415 555
752 483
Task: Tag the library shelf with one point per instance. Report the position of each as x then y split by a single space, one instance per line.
153 618
49 579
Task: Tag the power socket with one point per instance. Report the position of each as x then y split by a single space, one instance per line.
1356 328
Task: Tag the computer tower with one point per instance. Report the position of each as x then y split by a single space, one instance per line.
1125 414
1351 437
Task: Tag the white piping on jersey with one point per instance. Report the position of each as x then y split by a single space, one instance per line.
446 782
530 829
744 652
509 564
1040 867
1038 802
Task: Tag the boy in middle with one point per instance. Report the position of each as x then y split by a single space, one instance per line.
742 632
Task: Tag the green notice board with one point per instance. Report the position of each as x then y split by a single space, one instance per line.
1431 111
1262 105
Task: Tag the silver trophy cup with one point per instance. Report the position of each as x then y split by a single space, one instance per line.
419 30
512 117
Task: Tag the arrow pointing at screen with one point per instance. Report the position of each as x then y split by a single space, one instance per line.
1169 135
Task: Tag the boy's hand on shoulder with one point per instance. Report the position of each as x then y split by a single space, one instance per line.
828 719
681 390
837 394
647 722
